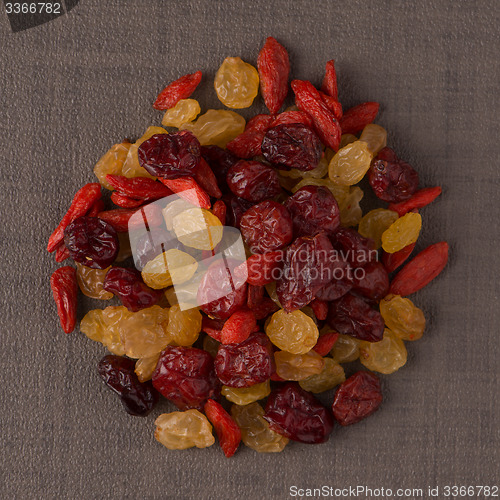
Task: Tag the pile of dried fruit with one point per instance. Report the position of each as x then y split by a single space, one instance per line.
287 180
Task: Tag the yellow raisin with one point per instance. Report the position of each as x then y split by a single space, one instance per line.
216 127
402 317
185 111
402 233
255 431
347 139
184 327
375 222
175 208
386 356
112 163
236 83
350 211
172 266
345 350
331 376
294 332
350 164
91 281
375 137
198 228
271 290
298 366
246 395
144 367
180 430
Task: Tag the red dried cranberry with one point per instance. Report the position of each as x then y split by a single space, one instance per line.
236 207
392 179
334 290
170 155
128 286
357 398
292 146
308 266
220 161
313 209
372 281
255 295
117 372
354 248
253 181
186 376
266 226
298 415
221 292
92 242
351 315
247 363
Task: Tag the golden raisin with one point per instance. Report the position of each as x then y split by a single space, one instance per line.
236 83
175 208
402 233
246 395
331 376
375 137
350 211
386 356
375 222
91 280
198 228
183 326
172 266
185 111
144 367
345 350
347 139
405 319
298 366
350 164
111 163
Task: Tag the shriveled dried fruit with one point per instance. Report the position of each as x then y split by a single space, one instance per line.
144 367
184 326
198 228
111 163
419 199
326 341
170 267
246 395
375 222
100 325
350 164
372 282
375 137
350 211
401 233
386 356
238 327
264 268
356 249
346 349
392 261
185 111
64 290
357 118
91 282
255 431
180 430
331 376
402 317
329 85
236 83
137 188
298 366
227 430
181 88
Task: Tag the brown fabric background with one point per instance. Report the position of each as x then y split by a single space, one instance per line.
71 88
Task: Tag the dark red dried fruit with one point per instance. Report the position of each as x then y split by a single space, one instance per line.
181 88
307 268
329 85
266 226
357 118
248 363
354 248
392 179
212 327
128 286
186 376
419 199
253 181
292 146
264 268
219 210
372 281
139 188
313 209
298 415
392 261
236 207
92 242
357 398
220 292
238 327
325 343
264 308
220 161
336 288
138 398
65 291
170 155
352 316
274 67
255 295
227 430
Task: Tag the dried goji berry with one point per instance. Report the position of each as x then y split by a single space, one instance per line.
320 309
421 270
97 207
62 253
188 189
182 88
227 430
333 105
264 268
238 327
205 177
309 100
219 210
65 289
420 198
118 218
357 118
81 204
124 201
325 343
293 117
392 261
260 123
247 144
274 67
212 327
329 85
139 188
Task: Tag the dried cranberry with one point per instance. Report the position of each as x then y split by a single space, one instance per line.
170 155
354 248
236 207
298 415
255 295
138 398
334 290
220 292
372 281
264 308
313 209
128 286
351 315
186 376
392 179
253 181
292 146
92 242
308 266
266 226
247 363
220 161
357 398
